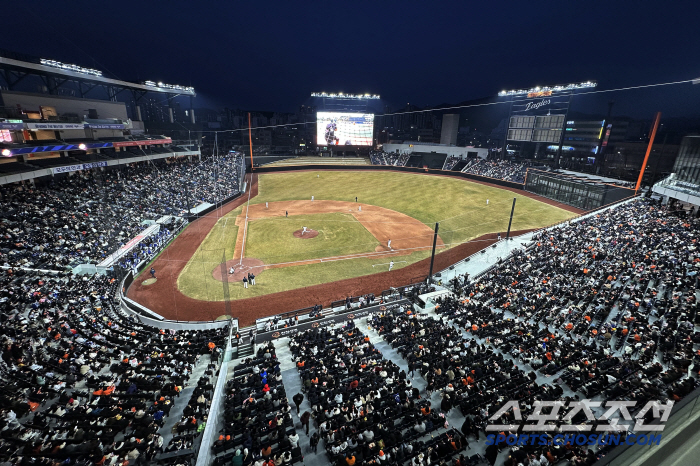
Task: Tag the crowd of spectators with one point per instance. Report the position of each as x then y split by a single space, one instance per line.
258 424
605 307
388 158
149 247
500 169
365 407
450 162
85 217
83 383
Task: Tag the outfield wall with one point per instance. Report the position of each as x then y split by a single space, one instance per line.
469 176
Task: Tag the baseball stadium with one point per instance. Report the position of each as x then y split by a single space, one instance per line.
245 270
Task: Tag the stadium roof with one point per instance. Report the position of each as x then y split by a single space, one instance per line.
69 71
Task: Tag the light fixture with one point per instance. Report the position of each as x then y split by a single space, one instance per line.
557 88
342 95
6 152
68 67
82 147
176 87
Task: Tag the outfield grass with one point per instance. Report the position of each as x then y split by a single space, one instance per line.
272 241
458 205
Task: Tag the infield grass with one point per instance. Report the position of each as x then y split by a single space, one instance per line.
272 239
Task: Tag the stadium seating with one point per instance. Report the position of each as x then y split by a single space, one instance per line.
386 158
83 380
86 217
363 404
257 416
499 169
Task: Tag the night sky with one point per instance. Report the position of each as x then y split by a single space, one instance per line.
269 55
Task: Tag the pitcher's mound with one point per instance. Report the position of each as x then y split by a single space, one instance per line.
149 281
308 235
254 266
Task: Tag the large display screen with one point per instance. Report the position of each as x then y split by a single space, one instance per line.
344 129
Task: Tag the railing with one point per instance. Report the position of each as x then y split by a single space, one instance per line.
303 314
131 307
673 183
666 181
217 404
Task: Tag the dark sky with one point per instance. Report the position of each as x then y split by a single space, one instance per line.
270 55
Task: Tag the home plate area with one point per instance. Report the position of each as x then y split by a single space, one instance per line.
241 269
308 234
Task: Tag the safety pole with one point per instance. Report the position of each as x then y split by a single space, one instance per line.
432 258
250 139
510 222
646 157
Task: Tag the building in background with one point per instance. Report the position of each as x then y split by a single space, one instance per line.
450 129
57 118
584 142
623 160
536 119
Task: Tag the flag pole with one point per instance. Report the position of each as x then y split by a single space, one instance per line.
250 139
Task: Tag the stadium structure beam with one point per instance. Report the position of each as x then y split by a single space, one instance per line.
138 94
646 157
114 91
53 83
432 256
11 83
43 70
510 222
85 88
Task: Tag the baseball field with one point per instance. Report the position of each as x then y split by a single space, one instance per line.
345 238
